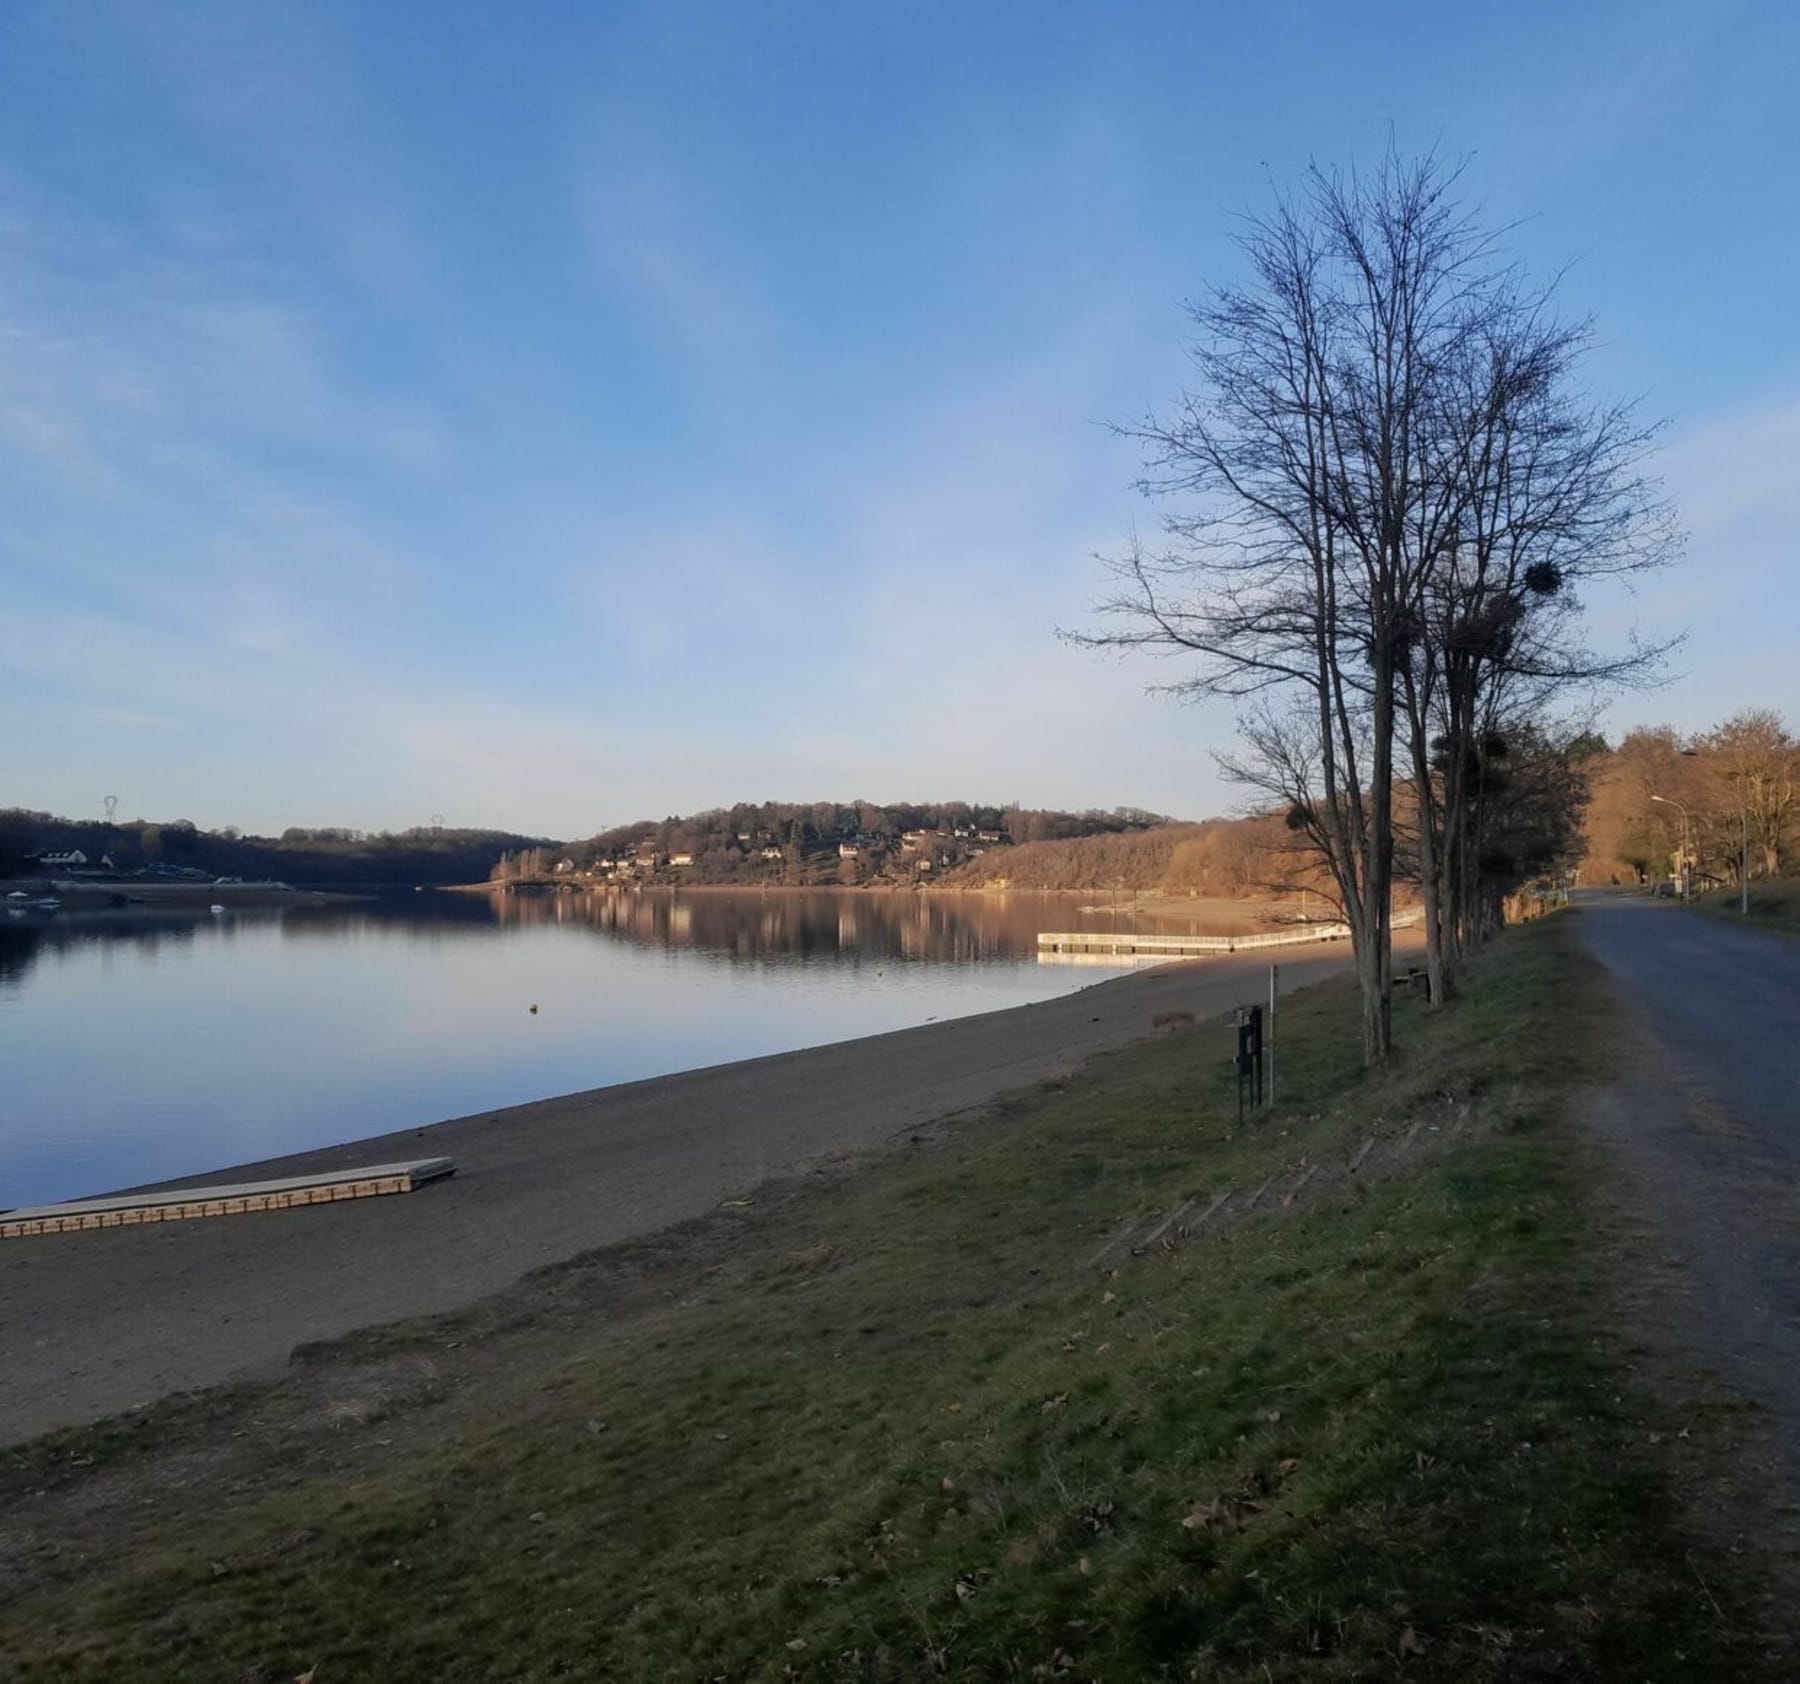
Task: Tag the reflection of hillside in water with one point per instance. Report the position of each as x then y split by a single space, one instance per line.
23 944
18 949
429 917
856 925
860 925
146 932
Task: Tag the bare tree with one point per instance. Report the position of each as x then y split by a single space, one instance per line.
1380 493
1303 463
1758 765
1549 494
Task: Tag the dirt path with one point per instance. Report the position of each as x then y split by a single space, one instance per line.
1705 1128
96 1323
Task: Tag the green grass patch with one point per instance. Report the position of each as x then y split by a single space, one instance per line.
1773 906
1378 1434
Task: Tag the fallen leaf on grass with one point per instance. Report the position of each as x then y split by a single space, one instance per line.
1287 1464
1199 1517
1055 1403
964 1590
796 1643
1411 1643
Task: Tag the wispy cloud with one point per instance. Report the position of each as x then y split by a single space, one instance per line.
129 719
1731 476
1738 464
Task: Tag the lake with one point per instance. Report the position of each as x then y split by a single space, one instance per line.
143 1044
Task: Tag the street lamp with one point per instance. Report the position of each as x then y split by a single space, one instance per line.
1686 850
1744 820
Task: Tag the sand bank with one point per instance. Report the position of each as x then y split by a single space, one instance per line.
95 1323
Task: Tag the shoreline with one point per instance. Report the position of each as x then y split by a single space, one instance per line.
96 1323
125 894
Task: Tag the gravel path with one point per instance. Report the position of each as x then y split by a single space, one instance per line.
94 1323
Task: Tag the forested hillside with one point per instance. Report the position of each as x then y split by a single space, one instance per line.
1236 858
825 842
315 856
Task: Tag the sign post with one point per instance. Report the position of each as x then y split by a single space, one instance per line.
1274 977
1249 1058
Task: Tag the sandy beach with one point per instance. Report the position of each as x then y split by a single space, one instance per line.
95 1323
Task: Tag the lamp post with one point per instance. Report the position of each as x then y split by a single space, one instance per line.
1686 851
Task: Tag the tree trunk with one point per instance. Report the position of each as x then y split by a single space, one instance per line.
1377 975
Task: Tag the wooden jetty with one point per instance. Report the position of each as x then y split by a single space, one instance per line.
181 1204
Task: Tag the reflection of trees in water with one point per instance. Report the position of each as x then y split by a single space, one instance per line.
434 917
23 944
427 916
860 924
18 950
857 926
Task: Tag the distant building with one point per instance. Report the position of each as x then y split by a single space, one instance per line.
71 857
772 853
848 850
681 859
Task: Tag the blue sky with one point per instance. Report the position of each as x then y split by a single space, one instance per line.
550 415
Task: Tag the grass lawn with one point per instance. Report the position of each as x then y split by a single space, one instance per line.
903 1432
1773 906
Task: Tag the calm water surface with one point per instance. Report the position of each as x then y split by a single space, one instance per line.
144 1045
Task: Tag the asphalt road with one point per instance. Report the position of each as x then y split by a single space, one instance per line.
1706 1121
95 1323
1724 1001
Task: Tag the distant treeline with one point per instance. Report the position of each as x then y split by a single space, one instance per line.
814 842
423 854
1661 799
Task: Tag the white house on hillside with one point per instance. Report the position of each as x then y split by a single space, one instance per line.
71 858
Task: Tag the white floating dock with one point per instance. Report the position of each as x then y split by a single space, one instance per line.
181 1204
1183 947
